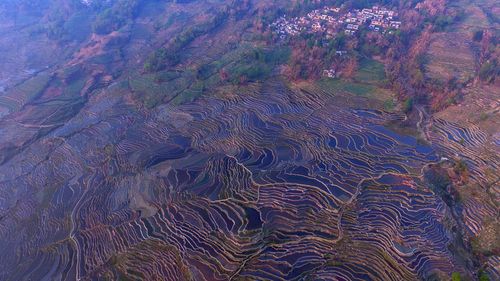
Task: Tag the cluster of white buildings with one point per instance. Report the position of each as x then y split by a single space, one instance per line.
380 18
331 20
330 73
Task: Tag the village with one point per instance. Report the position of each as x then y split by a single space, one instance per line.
332 20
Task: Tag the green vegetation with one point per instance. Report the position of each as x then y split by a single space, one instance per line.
78 26
189 95
257 64
75 87
369 80
483 116
210 69
347 86
489 70
107 58
483 276
188 35
166 76
371 72
69 23
169 56
389 105
240 65
408 105
460 166
147 90
116 16
455 276
71 74
180 16
442 22
179 86
219 68
160 59
253 72
16 97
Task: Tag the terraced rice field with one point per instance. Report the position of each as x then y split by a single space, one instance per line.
17 97
266 184
469 143
452 54
481 192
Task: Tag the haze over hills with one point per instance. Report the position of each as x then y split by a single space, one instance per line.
249 140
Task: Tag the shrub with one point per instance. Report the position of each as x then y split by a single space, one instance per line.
483 116
160 59
408 105
258 64
460 166
389 105
455 276
489 70
483 276
115 17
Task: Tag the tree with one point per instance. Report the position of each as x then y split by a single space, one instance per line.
408 105
350 67
160 59
483 276
489 70
116 16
